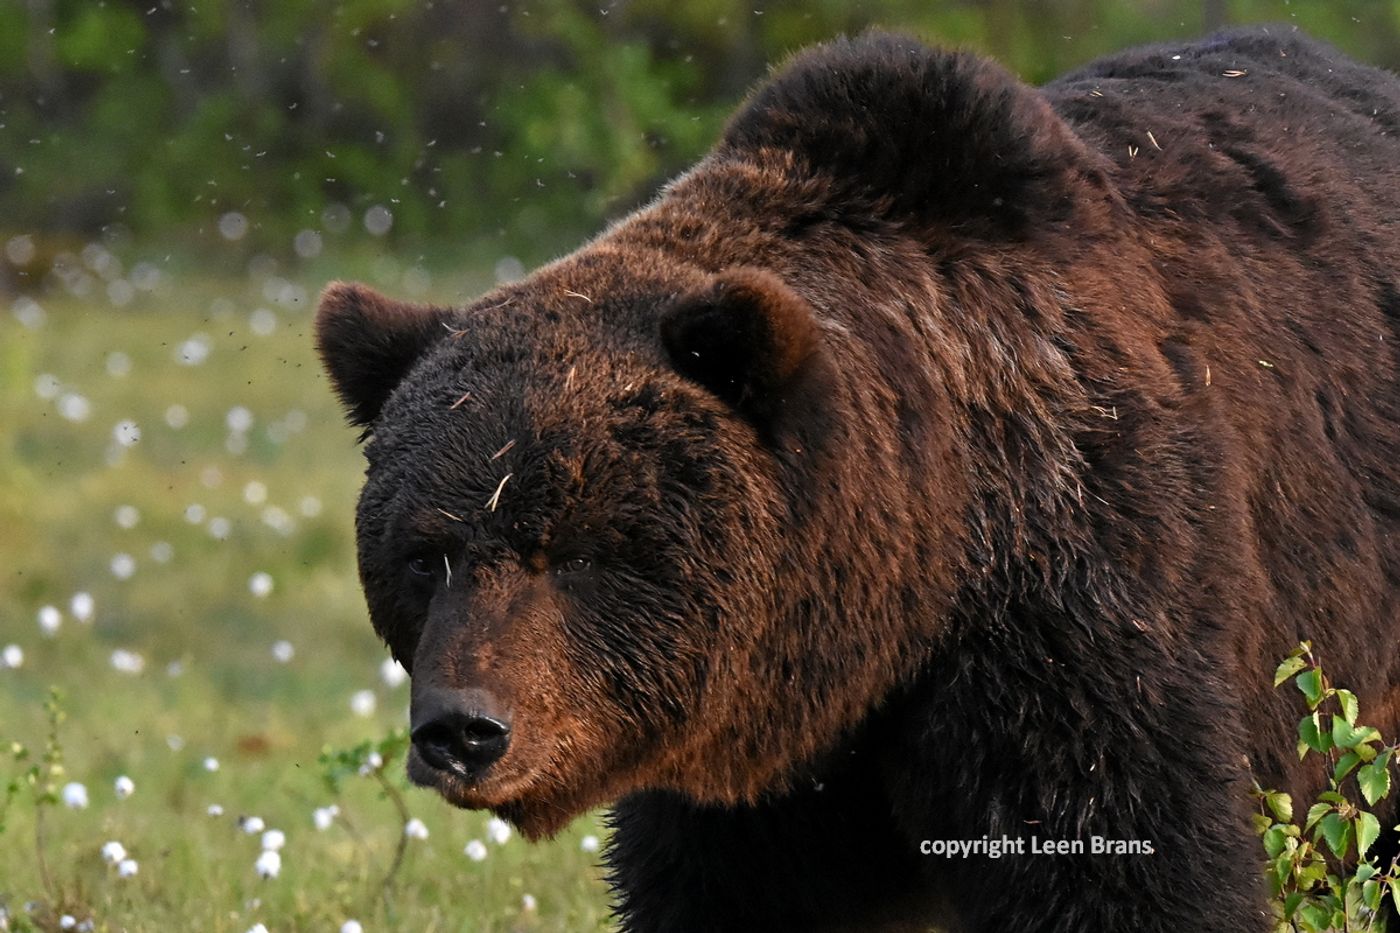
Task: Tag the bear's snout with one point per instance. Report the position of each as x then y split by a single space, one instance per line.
462 732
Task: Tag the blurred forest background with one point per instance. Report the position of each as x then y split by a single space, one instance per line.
482 127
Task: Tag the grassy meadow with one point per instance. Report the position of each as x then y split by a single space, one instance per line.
176 542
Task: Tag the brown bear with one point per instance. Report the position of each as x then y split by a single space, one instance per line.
920 491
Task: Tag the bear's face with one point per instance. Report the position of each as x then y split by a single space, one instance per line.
566 528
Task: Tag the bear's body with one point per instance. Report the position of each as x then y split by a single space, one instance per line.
939 458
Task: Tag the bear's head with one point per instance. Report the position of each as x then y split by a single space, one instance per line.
567 532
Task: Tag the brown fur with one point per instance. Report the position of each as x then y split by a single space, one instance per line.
946 458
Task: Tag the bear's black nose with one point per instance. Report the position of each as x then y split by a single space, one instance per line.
463 732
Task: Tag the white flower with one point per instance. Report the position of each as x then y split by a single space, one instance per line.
127 868
476 850
415 829
75 796
50 619
82 607
127 662
362 703
113 852
273 839
269 864
323 817
67 922
123 566
211 763
214 809
392 673
498 830
260 584
12 656
528 902
282 651
257 928
373 762
351 926
123 787
252 825
588 843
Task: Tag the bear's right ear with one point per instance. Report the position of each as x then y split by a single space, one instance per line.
369 342
744 335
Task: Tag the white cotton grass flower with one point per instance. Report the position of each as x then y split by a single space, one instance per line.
50 620
113 852
498 830
392 673
12 656
373 762
123 566
67 922
323 817
127 868
269 864
273 840
75 796
415 829
127 662
126 517
252 825
260 584
82 606
528 903
123 787
283 651
211 764
214 809
351 926
257 928
363 703
475 850
588 843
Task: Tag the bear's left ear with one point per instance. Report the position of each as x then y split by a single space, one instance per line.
744 335
369 342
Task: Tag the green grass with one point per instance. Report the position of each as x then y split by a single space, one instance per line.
210 678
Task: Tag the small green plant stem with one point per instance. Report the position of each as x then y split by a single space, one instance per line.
396 798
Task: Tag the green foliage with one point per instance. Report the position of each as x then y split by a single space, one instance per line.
522 124
1323 874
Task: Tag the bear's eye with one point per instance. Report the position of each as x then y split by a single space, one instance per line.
420 567
573 565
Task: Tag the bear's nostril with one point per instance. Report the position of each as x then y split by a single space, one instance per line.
461 743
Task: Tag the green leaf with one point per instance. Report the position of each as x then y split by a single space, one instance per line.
1337 833
1274 841
1394 884
1371 895
1290 904
1344 766
1316 918
1374 780
1316 812
1345 735
1311 735
1288 668
1349 705
1282 805
1310 682
1368 830
1261 823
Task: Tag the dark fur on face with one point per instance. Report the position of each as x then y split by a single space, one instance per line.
939 458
